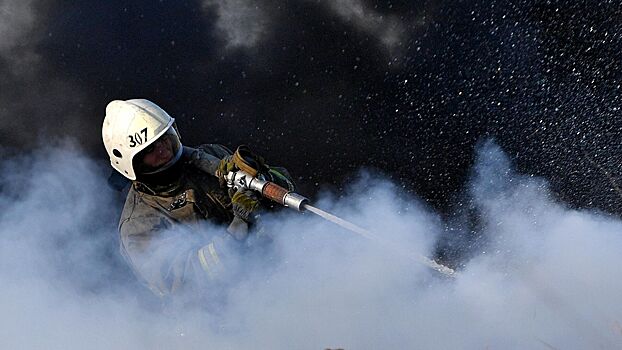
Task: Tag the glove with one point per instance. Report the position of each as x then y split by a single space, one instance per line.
243 159
225 166
244 202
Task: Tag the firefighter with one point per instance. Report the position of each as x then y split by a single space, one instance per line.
180 225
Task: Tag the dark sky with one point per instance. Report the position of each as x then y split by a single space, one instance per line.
326 88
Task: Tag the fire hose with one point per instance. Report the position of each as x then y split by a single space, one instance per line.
243 180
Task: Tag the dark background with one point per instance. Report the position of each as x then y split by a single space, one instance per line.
326 92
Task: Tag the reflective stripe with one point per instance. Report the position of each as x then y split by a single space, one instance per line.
213 253
210 262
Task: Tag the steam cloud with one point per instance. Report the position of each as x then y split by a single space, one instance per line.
388 30
17 20
25 79
547 276
242 23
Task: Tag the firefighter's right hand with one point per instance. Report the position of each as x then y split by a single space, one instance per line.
244 203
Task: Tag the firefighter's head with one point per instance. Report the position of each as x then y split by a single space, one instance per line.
140 138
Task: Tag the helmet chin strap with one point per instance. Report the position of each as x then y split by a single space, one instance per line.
170 163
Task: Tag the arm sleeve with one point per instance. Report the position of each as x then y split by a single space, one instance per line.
207 157
169 257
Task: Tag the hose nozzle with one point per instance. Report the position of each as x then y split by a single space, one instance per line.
241 179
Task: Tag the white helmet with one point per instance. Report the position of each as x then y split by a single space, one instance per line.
130 127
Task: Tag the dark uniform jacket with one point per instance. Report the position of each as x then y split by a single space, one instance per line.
174 237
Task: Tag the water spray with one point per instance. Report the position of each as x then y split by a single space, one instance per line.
241 179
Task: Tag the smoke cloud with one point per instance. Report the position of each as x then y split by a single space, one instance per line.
242 23
245 24
545 276
17 21
29 91
388 30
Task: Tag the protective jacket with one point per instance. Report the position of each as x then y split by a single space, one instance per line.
174 236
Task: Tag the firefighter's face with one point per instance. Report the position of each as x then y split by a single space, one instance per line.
159 153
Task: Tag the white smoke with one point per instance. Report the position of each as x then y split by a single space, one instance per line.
242 23
30 92
548 277
388 30
17 22
245 24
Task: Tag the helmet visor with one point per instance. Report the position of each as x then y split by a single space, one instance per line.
159 155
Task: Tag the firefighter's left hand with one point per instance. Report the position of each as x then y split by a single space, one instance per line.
244 203
225 166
